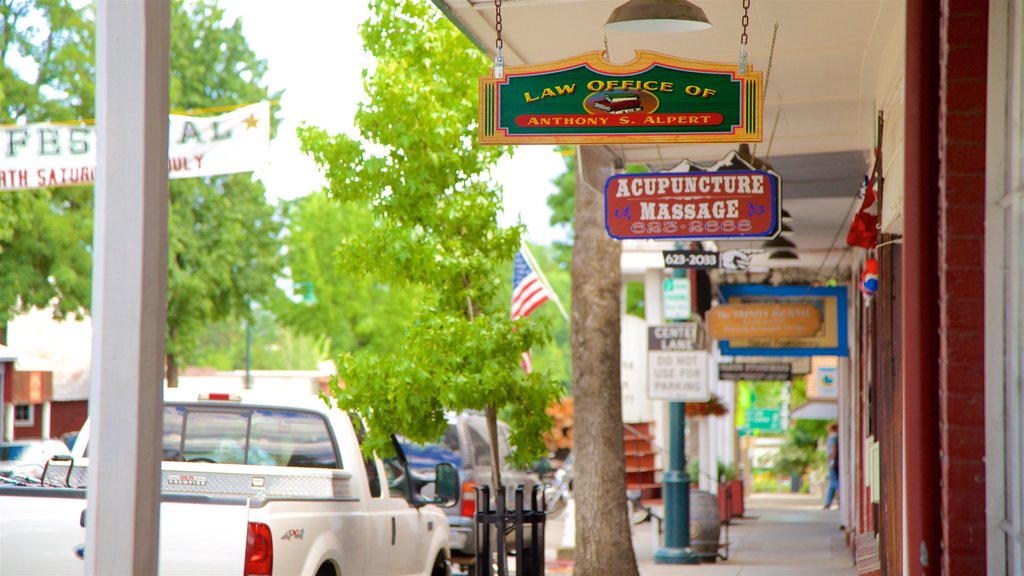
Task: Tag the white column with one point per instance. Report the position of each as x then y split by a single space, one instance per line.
129 286
8 422
44 420
654 279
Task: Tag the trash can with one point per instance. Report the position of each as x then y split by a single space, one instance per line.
705 525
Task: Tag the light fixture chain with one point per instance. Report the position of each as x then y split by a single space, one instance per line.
745 21
499 60
764 93
743 38
771 57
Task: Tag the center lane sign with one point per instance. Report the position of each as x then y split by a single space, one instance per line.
693 205
676 369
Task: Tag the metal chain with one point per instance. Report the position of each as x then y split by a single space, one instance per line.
745 21
743 37
499 60
764 93
771 57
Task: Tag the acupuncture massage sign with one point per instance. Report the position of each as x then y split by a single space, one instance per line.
693 205
654 98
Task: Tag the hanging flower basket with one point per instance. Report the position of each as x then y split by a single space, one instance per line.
713 407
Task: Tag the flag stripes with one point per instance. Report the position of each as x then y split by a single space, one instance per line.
528 292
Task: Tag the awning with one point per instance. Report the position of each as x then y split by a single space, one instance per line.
816 410
7 355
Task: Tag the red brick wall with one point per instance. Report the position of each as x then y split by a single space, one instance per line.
964 44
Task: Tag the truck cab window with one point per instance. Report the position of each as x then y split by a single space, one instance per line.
286 438
174 419
215 436
481 447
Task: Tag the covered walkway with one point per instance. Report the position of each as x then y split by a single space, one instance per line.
780 535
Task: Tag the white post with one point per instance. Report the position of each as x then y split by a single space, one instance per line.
44 420
8 422
129 286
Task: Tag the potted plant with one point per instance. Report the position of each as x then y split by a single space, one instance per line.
730 492
713 407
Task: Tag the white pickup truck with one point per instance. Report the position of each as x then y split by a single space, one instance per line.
250 485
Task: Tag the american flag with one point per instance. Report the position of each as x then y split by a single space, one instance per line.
528 292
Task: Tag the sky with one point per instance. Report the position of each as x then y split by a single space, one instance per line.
314 53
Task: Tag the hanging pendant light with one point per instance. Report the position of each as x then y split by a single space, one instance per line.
658 16
784 255
778 243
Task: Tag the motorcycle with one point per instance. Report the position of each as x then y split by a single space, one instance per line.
559 491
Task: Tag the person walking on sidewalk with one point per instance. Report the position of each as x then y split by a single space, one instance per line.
832 451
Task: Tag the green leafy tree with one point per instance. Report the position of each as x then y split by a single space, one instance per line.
346 312
223 236
222 345
46 73
434 227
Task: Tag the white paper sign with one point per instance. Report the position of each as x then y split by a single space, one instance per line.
678 376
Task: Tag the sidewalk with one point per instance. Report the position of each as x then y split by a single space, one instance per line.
780 535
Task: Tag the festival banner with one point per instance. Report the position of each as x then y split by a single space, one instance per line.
54 154
654 98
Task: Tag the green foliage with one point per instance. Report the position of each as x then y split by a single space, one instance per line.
796 453
348 312
725 472
223 236
47 70
693 470
635 299
224 245
434 227
222 345
563 201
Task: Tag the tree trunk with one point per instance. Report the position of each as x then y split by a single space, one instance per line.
603 543
172 371
492 430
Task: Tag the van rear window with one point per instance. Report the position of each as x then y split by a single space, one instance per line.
265 437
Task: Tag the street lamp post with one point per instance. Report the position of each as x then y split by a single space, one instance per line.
677 495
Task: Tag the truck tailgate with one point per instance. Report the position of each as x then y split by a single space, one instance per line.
41 532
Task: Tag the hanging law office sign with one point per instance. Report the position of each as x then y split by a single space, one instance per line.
654 98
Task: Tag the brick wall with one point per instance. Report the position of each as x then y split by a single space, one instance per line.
964 41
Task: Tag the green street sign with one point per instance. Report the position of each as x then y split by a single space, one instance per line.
676 298
654 98
765 419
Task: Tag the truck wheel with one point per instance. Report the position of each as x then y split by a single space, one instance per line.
442 567
326 570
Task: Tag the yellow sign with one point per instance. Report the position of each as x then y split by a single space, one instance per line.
741 321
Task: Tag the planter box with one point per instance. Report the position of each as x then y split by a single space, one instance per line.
730 500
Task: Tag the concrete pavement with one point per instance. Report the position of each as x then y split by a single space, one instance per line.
780 535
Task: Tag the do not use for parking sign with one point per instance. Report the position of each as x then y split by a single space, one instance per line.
677 376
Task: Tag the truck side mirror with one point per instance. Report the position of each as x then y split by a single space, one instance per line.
446 485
